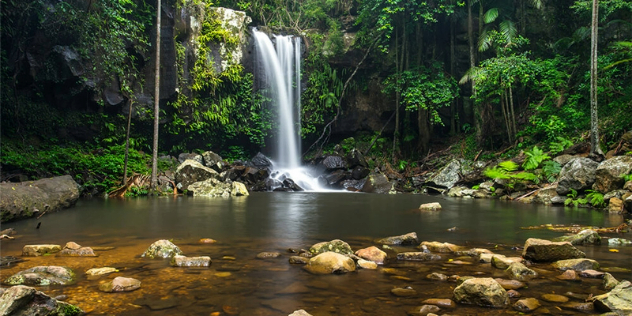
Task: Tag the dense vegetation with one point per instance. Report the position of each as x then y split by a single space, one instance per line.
488 74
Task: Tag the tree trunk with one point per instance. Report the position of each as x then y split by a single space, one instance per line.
595 149
154 160
397 87
505 114
129 124
513 115
453 106
424 129
478 118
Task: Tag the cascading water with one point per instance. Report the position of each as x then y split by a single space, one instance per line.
282 74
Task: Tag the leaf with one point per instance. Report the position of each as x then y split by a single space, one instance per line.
491 15
509 165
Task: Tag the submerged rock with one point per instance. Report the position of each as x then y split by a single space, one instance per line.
576 264
555 298
39 250
407 239
336 245
367 264
182 261
502 262
544 250
527 305
162 249
425 310
417 256
372 253
72 249
24 300
100 271
441 302
330 262
584 237
403 292
42 275
435 206
268 255
120 284
482 292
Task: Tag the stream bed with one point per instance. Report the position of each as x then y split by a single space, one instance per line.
237 283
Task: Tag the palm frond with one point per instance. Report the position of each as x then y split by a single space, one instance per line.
490 16
485 41
508 30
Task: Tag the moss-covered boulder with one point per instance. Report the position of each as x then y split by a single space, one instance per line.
24 300
576 264
407 239
584 237
336 245
520 272
330 262
40 250
163 249
482 292
619 300
42 275
545 250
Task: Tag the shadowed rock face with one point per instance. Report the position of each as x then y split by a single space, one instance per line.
42 275
31 198
24 300
544 250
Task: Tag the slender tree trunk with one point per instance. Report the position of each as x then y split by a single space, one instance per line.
505 114
478 117
595 149
453 109
129 124
513 115
397 87
154 161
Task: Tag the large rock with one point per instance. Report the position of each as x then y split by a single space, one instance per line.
191 171
407 239
578 174
216 188
336 245
619 300
72 249
448 176
378 183
608 173
213 160
544 250
482 292
120 284
334 162
576 264
162 249
39 250
330 262
546 195
31 198
182 261
42 275
520 272
436 246
584 237
22 300
261 161
373 254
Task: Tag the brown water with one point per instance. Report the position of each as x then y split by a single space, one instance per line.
238 283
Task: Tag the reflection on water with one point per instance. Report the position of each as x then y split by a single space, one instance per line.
245 226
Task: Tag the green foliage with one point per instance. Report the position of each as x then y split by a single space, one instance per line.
508 165
595 198
560 145
551 169
574 200
627 177
534 158
506 170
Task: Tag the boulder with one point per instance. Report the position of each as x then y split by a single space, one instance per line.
417 256
407 239
291 185
162 249
191 171
42 275
544 250
359 173
182 261
72 249
609 282
584 237
24 300
300 312
578 174
608 173
482 292
373 254
215 188
520 272
367 264
502 262
100 271
336 245
192 156
120 284
527 305
546 195
615 206
261 161
435 206
213 160
619 300
576 264
355 158
330 262
448 176
378 183
436 246
30 198
437 276
239 189
459 191
39 250
334 162
564 159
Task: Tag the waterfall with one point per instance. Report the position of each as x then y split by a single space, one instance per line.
282 75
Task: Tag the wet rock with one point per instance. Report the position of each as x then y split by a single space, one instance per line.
213 160
335 177
546 195
425 310
520 272
576 264
336 245
192 171
30 198
404 292
513 294
584 237
563 159
593 274
330 262
182 261
42 275
162 249
582 307
359 173
502 262
482 292
448 176
300 312
407 239
569 275
555 298
435 206
120 284
417 256
207 241
615 206
239 189
378 183
366 264
294 288
39 250
72 249
190 156
436 246
510 284
373 254
437 276
216 188
24 300
268 255
100 271
474 252
291 185
578 174
527 305
619 300
298 260
334 162
486 257
558 200
544 250
608 174
460 192
441 302
609 282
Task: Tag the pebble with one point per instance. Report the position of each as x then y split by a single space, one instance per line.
403 292
555 298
